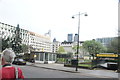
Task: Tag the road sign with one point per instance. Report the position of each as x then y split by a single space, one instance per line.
107 55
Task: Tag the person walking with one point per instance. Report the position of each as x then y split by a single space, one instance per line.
8 71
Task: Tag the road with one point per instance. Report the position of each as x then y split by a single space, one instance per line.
35 72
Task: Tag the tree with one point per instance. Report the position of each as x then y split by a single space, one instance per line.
17 41
5 43
75 48
25 48
113 45
61 49
93 47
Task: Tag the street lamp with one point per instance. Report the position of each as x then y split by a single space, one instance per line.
78 35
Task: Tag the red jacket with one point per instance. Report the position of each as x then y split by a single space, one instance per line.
10 72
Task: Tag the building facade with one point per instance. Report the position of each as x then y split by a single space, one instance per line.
40 45
37 41
9 31
68 46
70 38
76 38
55 46
105 41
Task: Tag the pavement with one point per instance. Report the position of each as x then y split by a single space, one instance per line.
98 73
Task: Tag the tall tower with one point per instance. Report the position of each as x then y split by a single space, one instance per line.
70 38
76 38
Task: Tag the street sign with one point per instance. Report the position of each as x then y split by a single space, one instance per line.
107 55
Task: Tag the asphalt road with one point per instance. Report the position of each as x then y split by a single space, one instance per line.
35 72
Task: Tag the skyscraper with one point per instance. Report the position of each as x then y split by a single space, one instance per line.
70 37
76 38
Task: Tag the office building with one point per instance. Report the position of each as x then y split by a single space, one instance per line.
55 46
36 41
70 38
76 38
9 31
105 41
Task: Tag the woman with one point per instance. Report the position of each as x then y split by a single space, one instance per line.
8 71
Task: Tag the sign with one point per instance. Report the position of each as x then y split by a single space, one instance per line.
42 49
107 55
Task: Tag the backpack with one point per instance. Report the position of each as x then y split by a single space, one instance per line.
16 72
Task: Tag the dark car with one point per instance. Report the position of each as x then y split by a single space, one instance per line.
19 61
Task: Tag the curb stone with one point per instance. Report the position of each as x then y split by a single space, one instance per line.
98 76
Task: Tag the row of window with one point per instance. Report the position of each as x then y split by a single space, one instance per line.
24 34
40 57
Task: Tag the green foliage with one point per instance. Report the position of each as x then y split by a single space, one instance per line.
85 65
16 42
114 45
5 43
60 60
93 47
25 48
61 49
75 47
112 60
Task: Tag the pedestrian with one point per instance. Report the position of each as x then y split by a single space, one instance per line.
8 71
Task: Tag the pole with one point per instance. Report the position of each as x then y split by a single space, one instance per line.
118 70
78 41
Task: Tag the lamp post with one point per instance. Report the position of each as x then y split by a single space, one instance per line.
78 35
118 63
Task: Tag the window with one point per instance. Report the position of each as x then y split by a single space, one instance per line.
46 56
37 56
41 56
50 57
54 57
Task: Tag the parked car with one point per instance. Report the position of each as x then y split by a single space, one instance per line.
19 61
32 60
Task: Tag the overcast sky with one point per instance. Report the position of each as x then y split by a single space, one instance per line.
42 15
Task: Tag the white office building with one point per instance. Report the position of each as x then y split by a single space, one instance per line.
55 46
37 41
9 31
40 42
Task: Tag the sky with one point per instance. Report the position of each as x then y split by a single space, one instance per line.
40 16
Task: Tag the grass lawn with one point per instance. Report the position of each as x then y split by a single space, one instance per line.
85 65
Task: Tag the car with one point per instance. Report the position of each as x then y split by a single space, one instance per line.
19 61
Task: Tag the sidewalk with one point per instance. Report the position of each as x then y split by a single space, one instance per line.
60 67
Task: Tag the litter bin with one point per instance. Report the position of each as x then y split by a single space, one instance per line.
74 62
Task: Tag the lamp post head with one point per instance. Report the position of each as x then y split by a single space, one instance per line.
73 17
86 14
